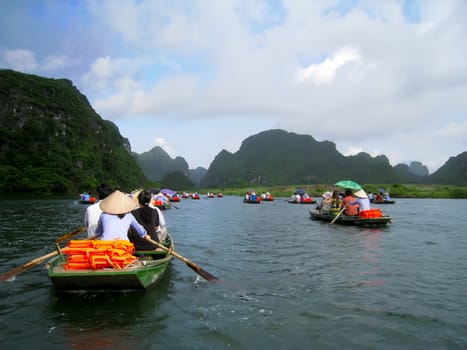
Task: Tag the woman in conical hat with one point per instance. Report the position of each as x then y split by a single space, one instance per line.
116 218
362 200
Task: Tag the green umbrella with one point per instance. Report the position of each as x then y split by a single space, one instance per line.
349 184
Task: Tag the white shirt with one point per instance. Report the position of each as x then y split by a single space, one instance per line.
91 218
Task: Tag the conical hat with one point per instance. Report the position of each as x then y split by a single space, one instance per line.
360 194
117 203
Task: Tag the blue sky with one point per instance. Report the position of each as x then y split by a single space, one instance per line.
195 77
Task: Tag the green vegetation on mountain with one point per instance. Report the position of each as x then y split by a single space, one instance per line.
157 165
277 157
52 141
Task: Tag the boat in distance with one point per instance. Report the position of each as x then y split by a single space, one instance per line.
351 220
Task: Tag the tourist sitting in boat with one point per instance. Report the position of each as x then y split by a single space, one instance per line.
93 212
335 203
116 218
162 235
149 219
325 205
348 202
362 200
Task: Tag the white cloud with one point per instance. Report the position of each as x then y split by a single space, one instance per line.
368 77
20 59
326 71
57 62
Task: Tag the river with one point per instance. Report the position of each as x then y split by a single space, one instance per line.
285 281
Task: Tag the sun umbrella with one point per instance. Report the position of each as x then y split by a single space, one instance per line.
382 191
168 191
348 184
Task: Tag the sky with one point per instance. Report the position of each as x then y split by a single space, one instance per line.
195 77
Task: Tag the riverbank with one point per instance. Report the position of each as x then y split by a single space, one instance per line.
395 190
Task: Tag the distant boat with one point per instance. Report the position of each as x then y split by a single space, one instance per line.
353 220
250 200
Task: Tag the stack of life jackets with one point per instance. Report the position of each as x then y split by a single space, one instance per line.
370 213
96 254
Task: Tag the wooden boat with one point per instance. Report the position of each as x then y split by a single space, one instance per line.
144 273
250 200
90 201
351 220
174 198
384 201
220 195
162 205
308 200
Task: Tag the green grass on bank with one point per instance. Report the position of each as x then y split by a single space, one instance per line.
395 190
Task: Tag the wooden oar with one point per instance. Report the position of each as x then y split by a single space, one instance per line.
339 214
17 270
203 273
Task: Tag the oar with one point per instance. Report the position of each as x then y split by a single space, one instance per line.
339 214
203 273
17 270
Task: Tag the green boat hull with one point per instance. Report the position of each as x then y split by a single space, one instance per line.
143 274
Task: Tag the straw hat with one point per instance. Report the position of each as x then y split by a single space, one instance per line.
117 203
360 194
327 194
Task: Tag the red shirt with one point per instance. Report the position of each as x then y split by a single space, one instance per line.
351 209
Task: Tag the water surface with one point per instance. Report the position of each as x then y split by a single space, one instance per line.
286 282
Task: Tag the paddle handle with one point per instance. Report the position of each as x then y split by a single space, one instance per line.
339 214
39 260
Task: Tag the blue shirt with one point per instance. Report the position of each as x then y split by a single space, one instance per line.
112 227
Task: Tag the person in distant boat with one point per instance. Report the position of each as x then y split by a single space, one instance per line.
325 205
116 218
247 196
149 218
351 208
362 200
162 234
93 212
335 202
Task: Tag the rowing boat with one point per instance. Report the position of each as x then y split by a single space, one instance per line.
351 220
145 272
384 201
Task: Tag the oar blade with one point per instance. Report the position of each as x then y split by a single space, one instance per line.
10 274
203 273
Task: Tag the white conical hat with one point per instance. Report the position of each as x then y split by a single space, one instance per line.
117 203
360 194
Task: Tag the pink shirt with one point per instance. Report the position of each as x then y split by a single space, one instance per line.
351 209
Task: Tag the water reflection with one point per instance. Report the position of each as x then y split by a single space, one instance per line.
105 320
